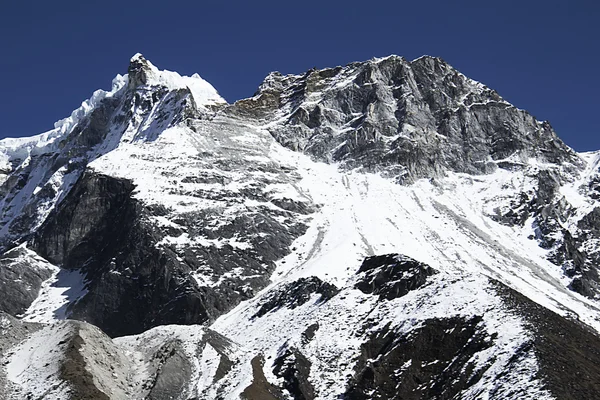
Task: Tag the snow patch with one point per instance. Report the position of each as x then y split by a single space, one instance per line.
63 288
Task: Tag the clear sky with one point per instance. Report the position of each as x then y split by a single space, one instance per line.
543 56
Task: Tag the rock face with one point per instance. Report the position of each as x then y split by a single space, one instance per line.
430 363
410 119
21 277
392 275
294 369
166 259
297 293
387 229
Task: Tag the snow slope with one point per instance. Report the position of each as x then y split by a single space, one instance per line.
444 223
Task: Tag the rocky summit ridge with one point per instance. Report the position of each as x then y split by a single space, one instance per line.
388 229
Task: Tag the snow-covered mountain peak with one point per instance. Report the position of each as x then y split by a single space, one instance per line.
138 57
277 231
143 73
407 119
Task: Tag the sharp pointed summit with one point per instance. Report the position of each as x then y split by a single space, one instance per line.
138 71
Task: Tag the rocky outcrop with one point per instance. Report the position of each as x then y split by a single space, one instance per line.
93 366
432 362
138 71
173 372
21 277
133 285
260 388
294 368
392 275
93 218
297 293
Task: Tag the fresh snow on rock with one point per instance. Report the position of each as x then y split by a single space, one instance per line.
34 365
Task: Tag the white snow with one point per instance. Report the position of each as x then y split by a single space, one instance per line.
21 148
445 223
63 288
34 365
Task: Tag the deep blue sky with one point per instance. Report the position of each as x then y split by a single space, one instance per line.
542 56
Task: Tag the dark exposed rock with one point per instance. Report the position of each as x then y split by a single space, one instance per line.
294 368
138 71
572 254
292 205
297 293
93 366
392 275
133 284
593 188
309 333
548 184
173 373
222 345
432 362
260 388
520 208
90 219
99 229
567 351
590 223
21 278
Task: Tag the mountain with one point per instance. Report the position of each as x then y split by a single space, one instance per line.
389 229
